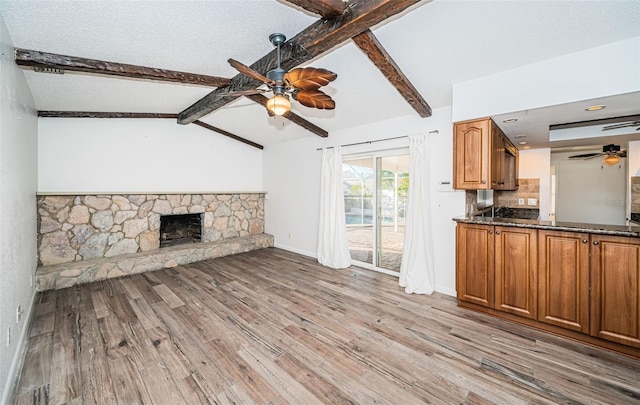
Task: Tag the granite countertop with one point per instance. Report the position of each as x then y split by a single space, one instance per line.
630 230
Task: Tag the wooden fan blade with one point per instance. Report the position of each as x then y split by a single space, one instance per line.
315 99
246 70
586 156
308 78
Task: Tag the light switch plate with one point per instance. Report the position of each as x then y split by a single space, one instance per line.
520 201
532 201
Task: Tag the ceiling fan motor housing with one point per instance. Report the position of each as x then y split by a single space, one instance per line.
611 148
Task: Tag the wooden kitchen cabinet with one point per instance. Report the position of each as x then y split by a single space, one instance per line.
563 279
516 271
496 268
484 158
615 289
474 264
581 285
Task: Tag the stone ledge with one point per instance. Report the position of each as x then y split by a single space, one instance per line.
66 275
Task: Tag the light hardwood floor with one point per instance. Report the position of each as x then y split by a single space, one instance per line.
273 327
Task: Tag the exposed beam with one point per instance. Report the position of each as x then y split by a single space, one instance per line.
313 41
370 45
296 119
229 134
325 8
99 114
52 61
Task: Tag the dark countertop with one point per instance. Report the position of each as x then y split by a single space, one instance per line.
617 230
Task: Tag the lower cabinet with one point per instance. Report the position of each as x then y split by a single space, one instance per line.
496 267
563 279
579 282
615 289
515 271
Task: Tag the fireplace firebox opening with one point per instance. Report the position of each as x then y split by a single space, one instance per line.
180 229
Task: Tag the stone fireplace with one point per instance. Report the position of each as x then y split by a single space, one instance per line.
92 237
74 228
180 229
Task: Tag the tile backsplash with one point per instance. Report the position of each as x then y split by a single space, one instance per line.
529 188
635 194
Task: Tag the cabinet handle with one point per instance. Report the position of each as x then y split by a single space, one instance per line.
585 241
484 182
497 232
490 232
595 242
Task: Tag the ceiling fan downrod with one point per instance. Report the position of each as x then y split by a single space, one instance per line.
277 74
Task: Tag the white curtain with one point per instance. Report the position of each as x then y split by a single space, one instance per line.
417 268
333 248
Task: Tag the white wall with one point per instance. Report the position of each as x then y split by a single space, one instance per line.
536 164
142 155
597 72
291 173
18 181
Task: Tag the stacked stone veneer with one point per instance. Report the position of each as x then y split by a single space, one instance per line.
76 233
74 228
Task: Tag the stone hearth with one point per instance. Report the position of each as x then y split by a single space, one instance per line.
86 271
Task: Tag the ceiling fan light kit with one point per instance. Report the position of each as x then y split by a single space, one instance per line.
279 104
611 160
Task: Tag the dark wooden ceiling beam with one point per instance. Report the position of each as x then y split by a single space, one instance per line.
325 8
101 114
51 61
296 119
313 41
370 45
229 134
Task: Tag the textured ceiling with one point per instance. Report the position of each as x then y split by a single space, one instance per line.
436 44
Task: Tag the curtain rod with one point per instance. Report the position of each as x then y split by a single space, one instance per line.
376 140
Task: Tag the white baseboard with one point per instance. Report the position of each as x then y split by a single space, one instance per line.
19 355
294 250
446 291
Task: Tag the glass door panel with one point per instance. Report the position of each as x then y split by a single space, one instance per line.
393 183
358 179
375 197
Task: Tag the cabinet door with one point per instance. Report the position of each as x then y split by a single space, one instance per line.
497 158
615 283
563 274
474 264
472 161
515 271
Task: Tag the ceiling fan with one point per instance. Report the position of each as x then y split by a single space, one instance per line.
611 153
302 84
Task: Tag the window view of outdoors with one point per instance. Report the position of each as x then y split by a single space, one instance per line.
379 189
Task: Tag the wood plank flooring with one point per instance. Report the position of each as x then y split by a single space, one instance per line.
273 327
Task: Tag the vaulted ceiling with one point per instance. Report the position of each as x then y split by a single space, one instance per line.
434 44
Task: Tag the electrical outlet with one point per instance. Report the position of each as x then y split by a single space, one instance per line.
532 201
520 201
9 336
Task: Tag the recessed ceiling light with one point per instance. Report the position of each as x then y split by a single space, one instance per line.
522 143
509 120
595 107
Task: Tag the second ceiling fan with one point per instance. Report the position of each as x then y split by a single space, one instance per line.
303 84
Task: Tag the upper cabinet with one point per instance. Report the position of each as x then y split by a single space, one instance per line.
483 157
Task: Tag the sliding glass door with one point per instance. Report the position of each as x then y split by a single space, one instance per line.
375 196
